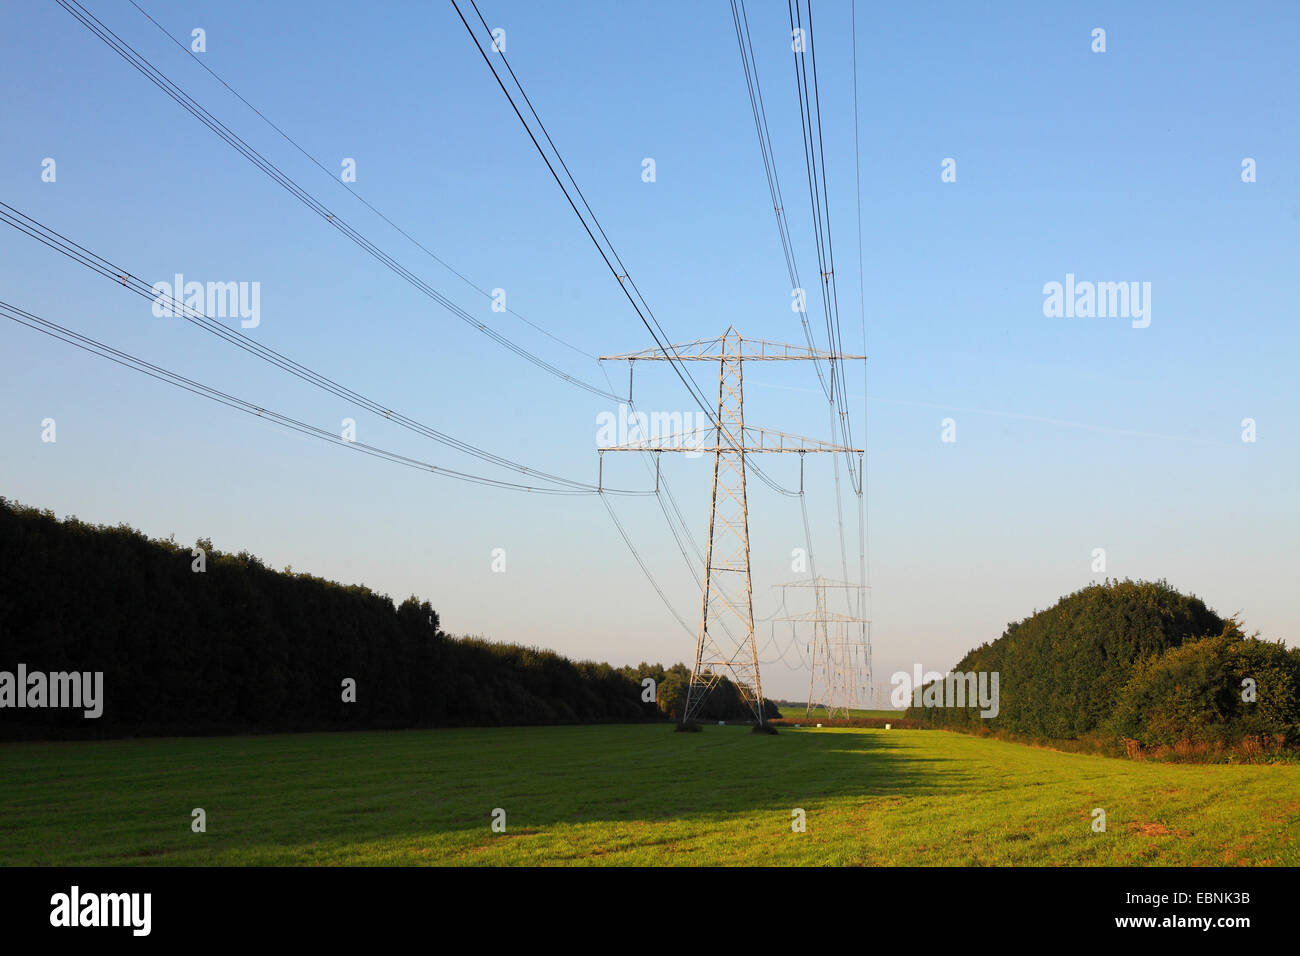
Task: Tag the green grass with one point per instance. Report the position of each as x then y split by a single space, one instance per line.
800 712
637 794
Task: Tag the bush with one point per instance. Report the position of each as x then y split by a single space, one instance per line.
1194 695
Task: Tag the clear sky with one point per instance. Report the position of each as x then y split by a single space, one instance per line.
1072 433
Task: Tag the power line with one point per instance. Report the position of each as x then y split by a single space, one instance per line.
607 251
864 529
141 64
833 393
645 570
624 277
834 390
126 360
815 161
96 263
85 343
819 195
350 189
188 103
750 67
134 363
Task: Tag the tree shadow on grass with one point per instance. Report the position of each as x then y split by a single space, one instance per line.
317 794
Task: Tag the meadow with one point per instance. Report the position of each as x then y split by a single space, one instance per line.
631 794
800 712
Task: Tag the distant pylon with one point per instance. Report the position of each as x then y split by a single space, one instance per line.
840 664
727 587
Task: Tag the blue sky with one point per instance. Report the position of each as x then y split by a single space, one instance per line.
1072 434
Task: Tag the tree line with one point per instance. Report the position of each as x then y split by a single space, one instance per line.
240 647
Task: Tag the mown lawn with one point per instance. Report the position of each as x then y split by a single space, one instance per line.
797 713
630 795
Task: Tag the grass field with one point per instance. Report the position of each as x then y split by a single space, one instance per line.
796 713
630 795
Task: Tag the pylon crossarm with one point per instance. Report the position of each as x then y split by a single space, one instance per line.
746 350
820 581
829 617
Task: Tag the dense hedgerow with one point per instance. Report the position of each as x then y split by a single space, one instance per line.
1136 662
245 648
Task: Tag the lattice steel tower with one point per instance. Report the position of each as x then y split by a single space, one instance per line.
727 588
840 664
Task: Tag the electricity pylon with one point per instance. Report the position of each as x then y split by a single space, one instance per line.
727 588
839 666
